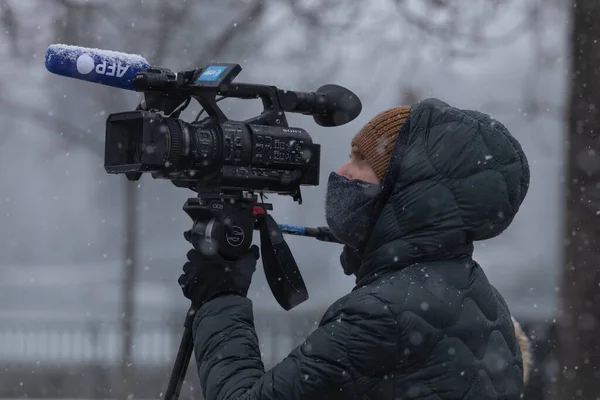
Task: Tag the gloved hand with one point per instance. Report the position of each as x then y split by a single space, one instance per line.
350 260
207 275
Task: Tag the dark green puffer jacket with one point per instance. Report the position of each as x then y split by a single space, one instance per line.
423 321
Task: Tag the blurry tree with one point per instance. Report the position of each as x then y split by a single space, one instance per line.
579 320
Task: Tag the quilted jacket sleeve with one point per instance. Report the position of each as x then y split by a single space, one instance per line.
360 334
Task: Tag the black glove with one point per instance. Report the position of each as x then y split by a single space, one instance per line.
350 260
206 276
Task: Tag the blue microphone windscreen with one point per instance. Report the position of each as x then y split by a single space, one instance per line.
111 68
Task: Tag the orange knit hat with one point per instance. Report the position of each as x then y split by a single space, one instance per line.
376 139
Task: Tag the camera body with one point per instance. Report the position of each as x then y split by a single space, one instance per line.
262 154
229 155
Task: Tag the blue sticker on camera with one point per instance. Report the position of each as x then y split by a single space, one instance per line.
211 74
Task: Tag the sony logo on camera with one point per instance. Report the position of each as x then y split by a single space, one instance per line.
292 130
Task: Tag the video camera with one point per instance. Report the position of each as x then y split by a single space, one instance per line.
227 163
260 154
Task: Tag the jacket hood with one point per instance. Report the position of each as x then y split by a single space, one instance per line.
455 176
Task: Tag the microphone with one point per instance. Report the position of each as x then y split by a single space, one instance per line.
330 105
111 68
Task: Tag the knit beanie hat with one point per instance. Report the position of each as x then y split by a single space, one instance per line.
377 138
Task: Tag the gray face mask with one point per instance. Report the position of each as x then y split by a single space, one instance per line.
348 208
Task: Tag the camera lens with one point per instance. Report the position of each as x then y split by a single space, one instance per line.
204 150
150 142
174 140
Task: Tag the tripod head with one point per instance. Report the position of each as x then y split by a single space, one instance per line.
226 222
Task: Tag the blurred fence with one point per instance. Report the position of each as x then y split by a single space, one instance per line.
50 358
80 359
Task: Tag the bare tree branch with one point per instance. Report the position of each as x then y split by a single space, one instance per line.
8 21
74 4
221 44
172 17
532 106
316 16
66 130
310 17
469 33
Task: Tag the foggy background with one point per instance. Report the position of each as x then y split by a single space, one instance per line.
62 218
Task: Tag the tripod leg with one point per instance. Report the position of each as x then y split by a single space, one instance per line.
182 361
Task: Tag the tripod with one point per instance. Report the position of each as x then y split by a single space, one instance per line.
228 222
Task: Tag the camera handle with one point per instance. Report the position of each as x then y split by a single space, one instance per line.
225 223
